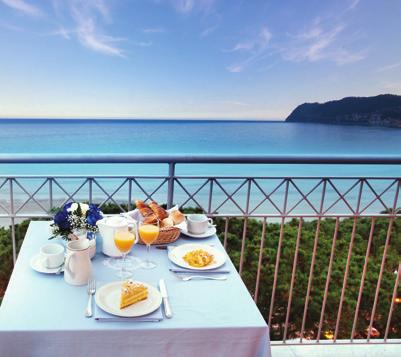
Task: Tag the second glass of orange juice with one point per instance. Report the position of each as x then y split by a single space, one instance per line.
148 234
124 240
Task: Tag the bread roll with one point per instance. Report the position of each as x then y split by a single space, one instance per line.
177 217
167 222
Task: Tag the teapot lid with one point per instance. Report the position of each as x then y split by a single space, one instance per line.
115 221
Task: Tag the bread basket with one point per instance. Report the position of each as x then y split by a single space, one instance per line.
167 235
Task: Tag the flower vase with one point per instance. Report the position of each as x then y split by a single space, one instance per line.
92 244
84 234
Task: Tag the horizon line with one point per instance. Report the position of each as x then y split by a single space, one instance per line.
145 119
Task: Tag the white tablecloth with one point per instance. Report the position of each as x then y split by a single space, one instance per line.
43 316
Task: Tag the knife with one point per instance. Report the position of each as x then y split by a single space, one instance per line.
163 290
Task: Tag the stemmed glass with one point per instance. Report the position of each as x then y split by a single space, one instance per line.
148 234
124 240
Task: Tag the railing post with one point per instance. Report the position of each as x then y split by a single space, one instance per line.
90 179
50 192
170 190
13 220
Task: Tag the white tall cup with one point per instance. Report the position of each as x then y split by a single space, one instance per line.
52 255
198 223
78 266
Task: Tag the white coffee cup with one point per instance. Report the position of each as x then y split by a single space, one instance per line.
52 255
198 223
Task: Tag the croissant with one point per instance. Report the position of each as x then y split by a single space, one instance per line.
151 219
146 212
158 211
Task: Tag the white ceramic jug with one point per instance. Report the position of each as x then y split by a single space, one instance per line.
78 266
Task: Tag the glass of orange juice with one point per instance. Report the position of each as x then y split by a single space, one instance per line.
148 234
124 240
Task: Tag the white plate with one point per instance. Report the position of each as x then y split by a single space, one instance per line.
176 256
210 231
37 264
108 299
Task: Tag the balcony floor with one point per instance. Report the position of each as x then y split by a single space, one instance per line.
324 350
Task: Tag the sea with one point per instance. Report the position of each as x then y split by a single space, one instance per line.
187 137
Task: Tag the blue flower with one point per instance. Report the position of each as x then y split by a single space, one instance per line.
93 215
67 206
61 219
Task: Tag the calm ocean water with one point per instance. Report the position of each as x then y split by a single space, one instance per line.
195 137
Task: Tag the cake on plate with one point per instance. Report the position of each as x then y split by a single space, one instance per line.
131 293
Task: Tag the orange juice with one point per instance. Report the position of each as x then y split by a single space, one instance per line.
148 233
124 241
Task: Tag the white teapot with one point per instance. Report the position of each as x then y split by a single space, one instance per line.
107 228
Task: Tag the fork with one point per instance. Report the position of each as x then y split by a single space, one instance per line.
187 278
91 292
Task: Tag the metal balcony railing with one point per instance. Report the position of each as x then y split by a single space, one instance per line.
319 254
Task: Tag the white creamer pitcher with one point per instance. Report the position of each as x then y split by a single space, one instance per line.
78 266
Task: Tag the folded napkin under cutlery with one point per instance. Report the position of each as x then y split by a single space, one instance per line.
103 316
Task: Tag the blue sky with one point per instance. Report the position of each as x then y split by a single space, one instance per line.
255 59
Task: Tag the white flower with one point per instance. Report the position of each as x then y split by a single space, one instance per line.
84 208
73 207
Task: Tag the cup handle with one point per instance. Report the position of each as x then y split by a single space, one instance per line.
210 221
67 265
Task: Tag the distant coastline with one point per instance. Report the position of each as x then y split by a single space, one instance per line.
382 110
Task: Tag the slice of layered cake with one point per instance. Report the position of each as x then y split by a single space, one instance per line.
131 293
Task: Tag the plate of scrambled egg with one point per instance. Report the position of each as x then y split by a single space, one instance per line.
197 256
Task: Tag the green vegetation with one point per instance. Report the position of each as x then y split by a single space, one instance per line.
250 265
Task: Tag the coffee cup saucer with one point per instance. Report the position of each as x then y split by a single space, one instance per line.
211 230
37 264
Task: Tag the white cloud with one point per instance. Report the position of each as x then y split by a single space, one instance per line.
258 44
184 6
353 4
235 68
236 103
10 27
62 32
389 67
208 31
392 86
23 6
187 6
88 32
153 30
144 43
101 7
316 44
255 49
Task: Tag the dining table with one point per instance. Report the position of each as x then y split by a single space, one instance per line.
42 315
